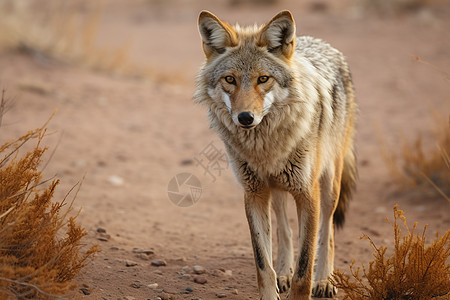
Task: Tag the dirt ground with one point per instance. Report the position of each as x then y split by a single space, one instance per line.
131 136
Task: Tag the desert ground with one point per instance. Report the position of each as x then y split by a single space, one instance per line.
130 135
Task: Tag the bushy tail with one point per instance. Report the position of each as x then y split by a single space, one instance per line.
348 185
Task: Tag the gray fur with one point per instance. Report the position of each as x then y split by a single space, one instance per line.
302 140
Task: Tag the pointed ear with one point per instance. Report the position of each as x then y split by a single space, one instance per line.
216 35
279 35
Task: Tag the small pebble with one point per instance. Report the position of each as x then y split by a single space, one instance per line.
144 251
170 290
200 280
130 263
136 285
221 295
199 270
159 263
85 291
143 256
129 298
104 237
159 272
101 230
189 289
186 270
153 285
115 180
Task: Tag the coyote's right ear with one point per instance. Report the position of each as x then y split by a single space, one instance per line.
216 35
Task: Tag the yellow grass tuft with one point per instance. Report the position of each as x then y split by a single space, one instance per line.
423 168
39 243
414 271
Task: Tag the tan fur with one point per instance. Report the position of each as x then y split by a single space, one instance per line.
285 268
284 108
264 38
230 39
247 98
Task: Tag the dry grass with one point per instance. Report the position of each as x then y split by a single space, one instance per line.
39 242
426 169
65 31
414 271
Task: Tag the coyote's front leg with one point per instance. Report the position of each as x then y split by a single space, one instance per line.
284 236
308 212
257 208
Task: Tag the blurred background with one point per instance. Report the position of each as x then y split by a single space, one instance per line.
121 75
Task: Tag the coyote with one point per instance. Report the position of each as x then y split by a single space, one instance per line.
284 107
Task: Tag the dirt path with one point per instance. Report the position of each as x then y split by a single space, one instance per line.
132 136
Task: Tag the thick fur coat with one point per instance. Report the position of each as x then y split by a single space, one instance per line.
284 107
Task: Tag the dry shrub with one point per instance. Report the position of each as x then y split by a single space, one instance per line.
414 271
62 30
422 169
39 243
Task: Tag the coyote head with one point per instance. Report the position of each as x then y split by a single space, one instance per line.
247 69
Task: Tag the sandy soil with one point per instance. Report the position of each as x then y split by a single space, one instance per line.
132 136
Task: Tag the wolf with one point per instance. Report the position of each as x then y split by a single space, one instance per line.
285 109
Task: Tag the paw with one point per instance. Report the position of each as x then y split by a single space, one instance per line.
323 289
284 283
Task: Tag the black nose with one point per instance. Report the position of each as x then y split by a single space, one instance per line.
245 118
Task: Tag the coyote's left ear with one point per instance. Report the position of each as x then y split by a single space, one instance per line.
279 35
216 35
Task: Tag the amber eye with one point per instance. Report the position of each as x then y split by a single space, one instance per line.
263 79
230 80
